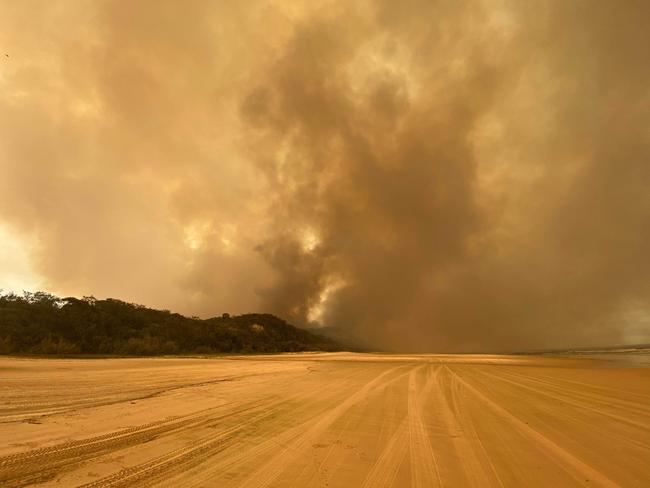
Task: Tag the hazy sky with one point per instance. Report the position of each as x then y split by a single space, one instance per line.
431 175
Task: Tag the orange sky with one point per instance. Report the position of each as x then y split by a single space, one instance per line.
428 175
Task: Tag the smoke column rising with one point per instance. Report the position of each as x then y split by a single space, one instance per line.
431 176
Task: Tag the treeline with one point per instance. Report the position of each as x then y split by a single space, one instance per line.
41 323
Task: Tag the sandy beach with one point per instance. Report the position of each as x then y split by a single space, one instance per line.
335 420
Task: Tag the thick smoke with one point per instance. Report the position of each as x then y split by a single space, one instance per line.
426 175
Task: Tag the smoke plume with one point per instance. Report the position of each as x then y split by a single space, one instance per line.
426 175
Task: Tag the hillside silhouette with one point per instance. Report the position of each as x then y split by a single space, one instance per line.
41 323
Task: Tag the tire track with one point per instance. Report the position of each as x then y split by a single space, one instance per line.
178 460
134 395
322 468
274 467
424 467
606 392
386 467
422 421
333 460
275 437
579 400
478 469
188 457
612 395
36 455
409 436
24 468
578 469
580 408
28 467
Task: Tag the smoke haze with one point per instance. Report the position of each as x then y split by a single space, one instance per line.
427 175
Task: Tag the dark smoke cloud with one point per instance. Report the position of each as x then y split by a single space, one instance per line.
429 175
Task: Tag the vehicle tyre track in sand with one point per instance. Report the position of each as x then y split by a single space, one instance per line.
384 471
177 460
478 469
603 391
321 469
182 459
136 395
23 468
371 420
575 418
578 469
410 436
274 467
424 467
577 400
245 451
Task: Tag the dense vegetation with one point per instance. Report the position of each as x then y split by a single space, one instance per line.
40 323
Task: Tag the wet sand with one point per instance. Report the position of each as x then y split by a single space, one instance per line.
335 420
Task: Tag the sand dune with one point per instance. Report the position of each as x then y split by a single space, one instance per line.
345 420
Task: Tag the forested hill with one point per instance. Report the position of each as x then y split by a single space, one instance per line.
40 323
